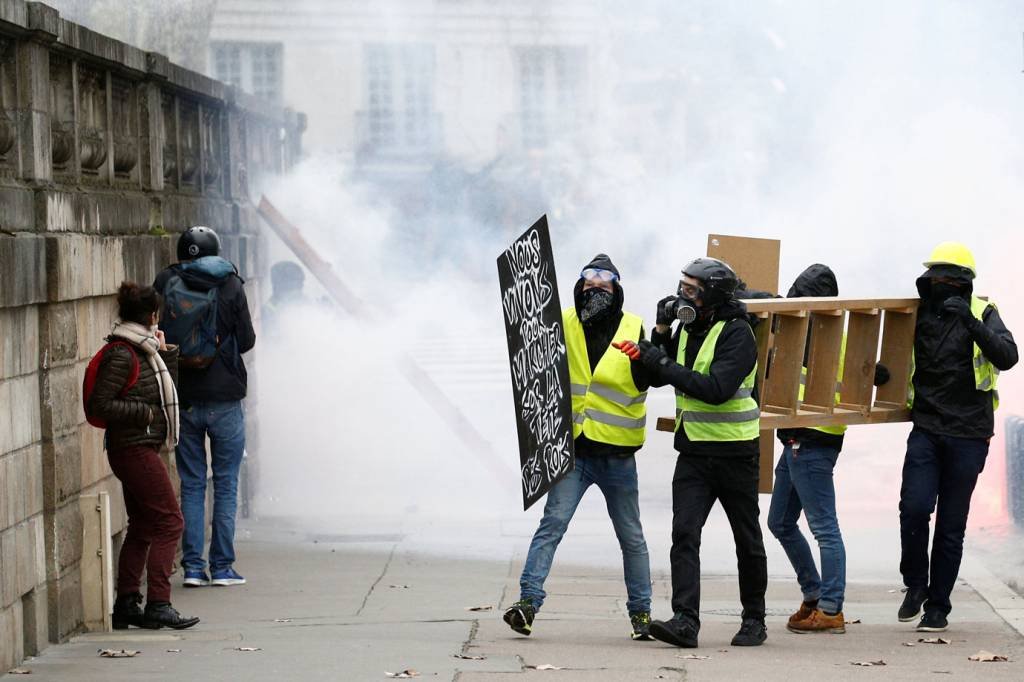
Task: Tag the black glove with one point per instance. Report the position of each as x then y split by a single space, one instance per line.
881 374
652 357
664 317
956 305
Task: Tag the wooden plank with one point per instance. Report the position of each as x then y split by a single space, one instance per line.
815 304
823 362
766 462
781 391
96 565
861 353
847 417
756 261
897 345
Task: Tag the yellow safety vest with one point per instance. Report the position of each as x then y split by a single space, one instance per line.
986 375
736 419
841 428
606 405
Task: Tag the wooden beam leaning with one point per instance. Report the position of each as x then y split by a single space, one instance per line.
781 336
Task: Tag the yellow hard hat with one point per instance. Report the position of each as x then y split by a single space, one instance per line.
952 253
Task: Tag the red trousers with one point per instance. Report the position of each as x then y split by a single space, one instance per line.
154 522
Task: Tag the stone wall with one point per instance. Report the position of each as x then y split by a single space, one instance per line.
106 152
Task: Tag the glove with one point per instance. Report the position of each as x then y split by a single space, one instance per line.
653 357
631 350
956 305
664 316
881 374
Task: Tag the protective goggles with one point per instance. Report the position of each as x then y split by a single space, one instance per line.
689 291
599 275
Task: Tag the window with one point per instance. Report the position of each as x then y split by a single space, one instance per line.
399 114
254 68
551 86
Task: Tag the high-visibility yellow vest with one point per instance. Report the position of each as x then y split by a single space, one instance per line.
607 407
841 428
986 375
736 419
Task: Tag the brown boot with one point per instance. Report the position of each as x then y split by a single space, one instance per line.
804 612
819 621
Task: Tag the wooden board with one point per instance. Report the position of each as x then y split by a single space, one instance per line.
756 261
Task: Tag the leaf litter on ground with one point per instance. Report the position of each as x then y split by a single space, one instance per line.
118 653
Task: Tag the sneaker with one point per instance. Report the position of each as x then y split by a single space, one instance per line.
912 602
520 615
196 578
677 631
932 621
127 611
226 576
641 621
163 615
804 612
819 621
752 633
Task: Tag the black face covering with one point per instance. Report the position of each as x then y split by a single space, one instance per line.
595 305
941 292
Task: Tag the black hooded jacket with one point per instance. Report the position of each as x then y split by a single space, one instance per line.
599 335
226 379
819 281
946 400
735 356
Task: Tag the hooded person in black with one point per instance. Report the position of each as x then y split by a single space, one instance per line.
609 420
804 484
724 468
960 345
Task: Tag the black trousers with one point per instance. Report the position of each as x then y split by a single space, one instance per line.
697 483
939 474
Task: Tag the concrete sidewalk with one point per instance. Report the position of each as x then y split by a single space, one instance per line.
352 607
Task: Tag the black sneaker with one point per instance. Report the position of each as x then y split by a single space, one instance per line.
752 633
162 615
127 611
932 621
912 602
677 632
520 615
641 621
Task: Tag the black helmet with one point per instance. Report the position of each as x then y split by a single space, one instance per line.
197 242
719 280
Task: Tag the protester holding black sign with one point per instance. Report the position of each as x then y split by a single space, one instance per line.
717 428
609 416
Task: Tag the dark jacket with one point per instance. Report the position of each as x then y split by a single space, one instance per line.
599 336
946 400
137 418
226 379
819 281
735 356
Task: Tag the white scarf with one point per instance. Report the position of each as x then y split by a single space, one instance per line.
141 336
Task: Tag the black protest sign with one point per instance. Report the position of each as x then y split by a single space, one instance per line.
537 357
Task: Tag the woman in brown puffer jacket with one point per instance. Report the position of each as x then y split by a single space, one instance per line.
139 420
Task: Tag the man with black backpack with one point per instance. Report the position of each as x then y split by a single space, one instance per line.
206 314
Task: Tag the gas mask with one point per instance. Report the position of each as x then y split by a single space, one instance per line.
595 304
683 309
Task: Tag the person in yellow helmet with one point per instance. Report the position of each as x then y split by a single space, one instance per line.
804 484
960 345
609 419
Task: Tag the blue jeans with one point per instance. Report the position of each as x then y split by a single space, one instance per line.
616 477
225 424
803 482
938 470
